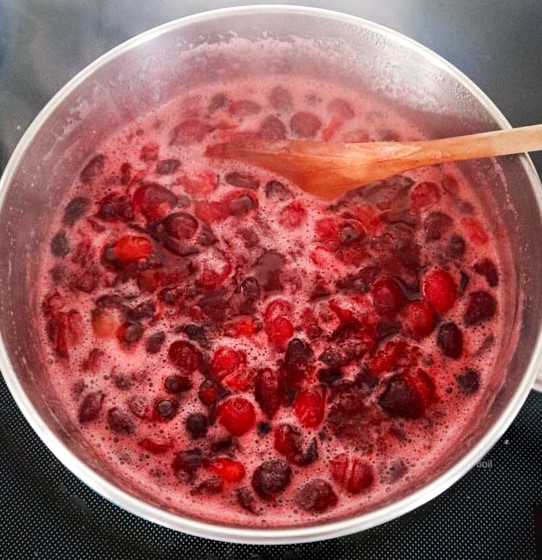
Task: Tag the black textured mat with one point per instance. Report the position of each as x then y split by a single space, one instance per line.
495 511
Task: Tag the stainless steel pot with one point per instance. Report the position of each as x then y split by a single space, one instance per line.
147 70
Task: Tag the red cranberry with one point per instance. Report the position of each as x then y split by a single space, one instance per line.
316 496
424 195
93 169
293 215
309 406
240 204
275 190
154 342
91 407
387 357
185 356
271 478
174 384
167 166
209 392
352 473
226 361
154 201
298 361
281 99
120 421
60 246
347 415
156 445
439 289
450 340
226 468
166 408
420 319
487 268
350 232
149 152
482 307
237 415
305 124
407 395
189 131
279 331
269 391
132 248
75 210
388 297
181 225
272 128
124 382
469 382
289 442
197 425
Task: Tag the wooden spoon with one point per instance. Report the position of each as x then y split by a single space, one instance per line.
329 169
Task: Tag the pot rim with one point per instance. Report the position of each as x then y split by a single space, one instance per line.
210 530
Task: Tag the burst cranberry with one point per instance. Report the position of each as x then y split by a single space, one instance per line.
215 268
475 231
188 462
139 406
279 331
436 225
388 297
456 247
351 472
407 395
120 421
269 391
246 500
309 406
387 357
149 152
487 268
197 425
237 415
469 382
424 195
226 361
271 478
181 225
289 442
305 124
293 215
185 356
420 319
275 190
450 340
65 331
298 361
156 445
210 486
154 201
91 407
209 392
166 409
439 289
227 469
189 131
167 166
115 207
241 326
130 332
154 342
60 245
175 384
240 203
347 415
482 307
277 308
75 210
132 248
272 128
200 184
93 169
268 271
316 496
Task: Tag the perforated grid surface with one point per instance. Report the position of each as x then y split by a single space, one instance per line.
493 512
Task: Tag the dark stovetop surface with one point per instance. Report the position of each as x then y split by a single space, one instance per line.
495 511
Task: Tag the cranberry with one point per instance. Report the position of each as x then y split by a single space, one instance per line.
167 166
361 281
269 391
237 415
124 382
132 248
346 416
482 307
279 331
268 270
227 469
351 472
188 462
341 107
156 445
293 215
298 361
154 342
271 478
305 124
329 376
469 382
154 201
125 174
93 169
456 247
272 128
149 152
309 406
226 361
215 306
387 357
181 225
246 500
436 225
240 204
197 425
289 442
420 319
174 384
64 331
275 190
250 292
439 289
487 268
139 406
75 210
185 356
145 310
209 392
407 395
130 332
242 180
316 496
189 131
388 297
120 421
166 408
91 407
424 195
222 444
350 232
475 231
60 246
450 340
281 99
244 107
210 486
115 207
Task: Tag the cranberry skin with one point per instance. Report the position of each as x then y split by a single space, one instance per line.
130 332
242 180
237 415
436 225
114 208
439 289
456 247
288 441
91 407
388 297
181 225
269 391
271 478
481 308
424 195
450 340
316 496
275 190
186 356
154 342
298 361
154 201
246 500
188 462
487 268
347 415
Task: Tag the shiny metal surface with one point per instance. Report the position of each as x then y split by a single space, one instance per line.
109 91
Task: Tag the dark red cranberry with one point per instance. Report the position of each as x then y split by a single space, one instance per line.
221 445
288 441
487 268
185 356
188 462
125 174
197 425
347 415
269 391
463 283
388 297
250 293
456 247
124 382
58 274
329 376
120 421
154 201
305 124
482 307
145 310
281 99
177 384
272 128
166 408
215 306
242 180
436 224
249 237
341 108
218 101
469 382
210 486
149 152
350 233
361 281
94 168
196 332
241 204
268 271
60 246
154 342
406 395
139 406
263 428
209 392
271 478
167 166
130 332
91 406
450 340
246 500
87 281
424 195
298 361
189 131
275 190
75 210
115 207
181 225
316 496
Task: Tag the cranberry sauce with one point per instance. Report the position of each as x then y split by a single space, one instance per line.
249 354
